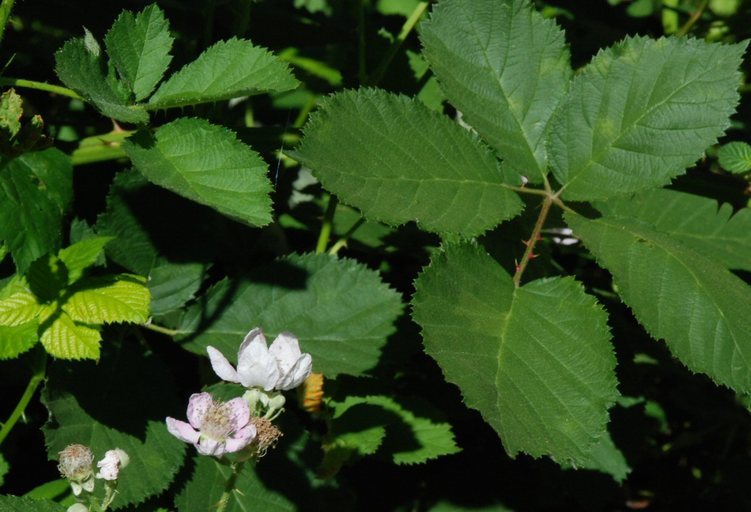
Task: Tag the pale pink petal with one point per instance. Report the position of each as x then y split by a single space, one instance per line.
198 405
256 366
297 374
239 412
208 446
286 350
221 366
183 431
241 439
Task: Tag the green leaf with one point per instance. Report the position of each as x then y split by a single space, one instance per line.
698 307
65 339
208 482
735 157
83 70
111 405
640 113
699 222
173 284
207 164
139 47
398 161
17 339
11 110
535 361
35 192
101 300
228 69
506 68
80 256
339 309
607 458
18 304
21 504
407 430
47 278
4 468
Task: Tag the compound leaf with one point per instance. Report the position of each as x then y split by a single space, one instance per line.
640 113
506 68
17 339
535 361
398 161
339 309
207 164
139 47
65 339
228 69
698 307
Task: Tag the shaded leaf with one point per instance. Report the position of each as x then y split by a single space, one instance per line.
339 309
173 284
139 47
35 192
640 113
22 504
698 307
535 361
398 161
83 70
506 68
207 164
81 255
226 70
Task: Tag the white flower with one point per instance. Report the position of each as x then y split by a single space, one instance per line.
78 507
281 366
112 463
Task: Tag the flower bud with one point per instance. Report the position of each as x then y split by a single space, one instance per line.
76 465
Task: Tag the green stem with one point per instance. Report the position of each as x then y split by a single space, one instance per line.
5 7
40 86
229 486
342 242
534 237
328 223
407 28
160 329
525 190
693 19
39 371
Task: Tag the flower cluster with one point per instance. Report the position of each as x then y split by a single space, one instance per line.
76 465
217 428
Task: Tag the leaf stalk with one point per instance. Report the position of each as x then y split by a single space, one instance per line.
39 371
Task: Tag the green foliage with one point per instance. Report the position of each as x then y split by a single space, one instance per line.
699 222
226 70
11 110
139 47
407 431
19 504
624 127
82 413
506 68
65 307
207 164
35 193
735 157
535 361
398 161
342 312
4 467
698 307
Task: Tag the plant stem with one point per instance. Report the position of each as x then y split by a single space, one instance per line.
532 242
5 7
39 370
229 486
407 28
40 86
692 19
160 329
328 223
525 190
342 242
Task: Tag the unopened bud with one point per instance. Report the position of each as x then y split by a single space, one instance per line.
76 465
